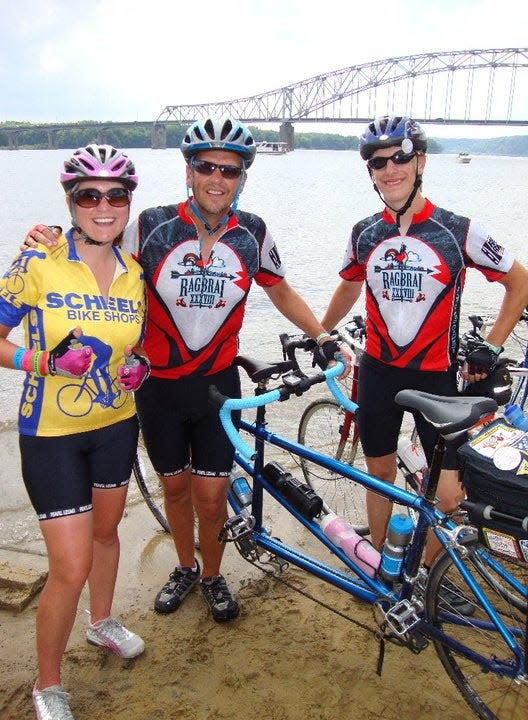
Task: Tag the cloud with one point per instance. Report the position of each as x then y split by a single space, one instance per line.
127 59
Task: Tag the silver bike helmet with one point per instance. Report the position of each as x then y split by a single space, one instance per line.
219 134
391 130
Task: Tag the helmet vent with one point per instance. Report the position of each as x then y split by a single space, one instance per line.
226 129
209 129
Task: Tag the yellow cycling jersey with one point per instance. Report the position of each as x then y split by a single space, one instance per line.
52 291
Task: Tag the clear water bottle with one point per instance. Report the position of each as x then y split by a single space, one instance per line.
353 545
515 416
242 491
399 535
411 455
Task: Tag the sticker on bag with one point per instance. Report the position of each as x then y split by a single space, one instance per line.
502 544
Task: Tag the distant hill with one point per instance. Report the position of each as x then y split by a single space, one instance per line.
514 145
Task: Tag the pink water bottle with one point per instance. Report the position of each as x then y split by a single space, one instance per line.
353 545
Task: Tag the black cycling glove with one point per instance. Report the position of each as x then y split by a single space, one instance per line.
324 353
481 357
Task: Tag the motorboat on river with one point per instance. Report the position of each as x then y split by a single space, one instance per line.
272 147
464 158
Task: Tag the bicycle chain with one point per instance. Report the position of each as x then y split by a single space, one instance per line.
322 603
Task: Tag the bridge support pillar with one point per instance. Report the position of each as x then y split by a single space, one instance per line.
159 136
287 134
52 139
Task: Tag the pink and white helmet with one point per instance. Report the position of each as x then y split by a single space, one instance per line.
98 161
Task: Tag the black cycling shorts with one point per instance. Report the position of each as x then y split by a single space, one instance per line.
380 417
182 429
60 472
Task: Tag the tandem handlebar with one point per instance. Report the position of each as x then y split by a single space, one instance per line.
293 383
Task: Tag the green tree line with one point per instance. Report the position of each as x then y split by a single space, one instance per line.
140 137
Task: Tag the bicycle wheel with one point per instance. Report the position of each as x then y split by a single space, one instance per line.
321 428
490 695
149 485
74 400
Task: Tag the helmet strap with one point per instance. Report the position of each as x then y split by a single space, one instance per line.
85 238
196 210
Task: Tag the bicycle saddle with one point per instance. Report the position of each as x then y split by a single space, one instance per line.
259 370
450 415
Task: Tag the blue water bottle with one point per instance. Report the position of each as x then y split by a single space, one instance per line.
399 535
515 416
242 491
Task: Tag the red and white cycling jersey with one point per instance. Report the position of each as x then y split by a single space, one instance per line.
414 282
195 310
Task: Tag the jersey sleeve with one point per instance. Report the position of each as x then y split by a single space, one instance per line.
486 255
19 287
351 268
271 270
130 242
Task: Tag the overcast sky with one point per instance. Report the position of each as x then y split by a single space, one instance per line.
69 60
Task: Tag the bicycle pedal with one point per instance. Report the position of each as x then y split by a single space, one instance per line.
237 527
403 616
278 564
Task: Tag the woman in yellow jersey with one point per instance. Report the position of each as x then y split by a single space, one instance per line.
77 422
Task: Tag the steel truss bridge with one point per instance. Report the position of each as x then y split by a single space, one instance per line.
432 87
468 87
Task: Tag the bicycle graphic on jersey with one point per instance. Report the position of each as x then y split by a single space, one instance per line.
15 282
77 398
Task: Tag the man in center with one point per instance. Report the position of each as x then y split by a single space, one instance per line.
200 258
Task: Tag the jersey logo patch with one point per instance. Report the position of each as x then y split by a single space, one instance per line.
400 275
217 285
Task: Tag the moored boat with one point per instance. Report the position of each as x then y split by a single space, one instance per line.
272 147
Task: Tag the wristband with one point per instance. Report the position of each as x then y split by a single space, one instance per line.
17 358
43 364
322 336
497 349
27 361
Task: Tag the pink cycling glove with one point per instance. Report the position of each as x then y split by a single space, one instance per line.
135 370
67 360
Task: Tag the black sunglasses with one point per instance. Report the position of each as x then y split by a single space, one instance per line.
399 158
90 197
204 167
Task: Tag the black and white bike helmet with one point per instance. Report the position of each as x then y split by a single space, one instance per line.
219 134
391 130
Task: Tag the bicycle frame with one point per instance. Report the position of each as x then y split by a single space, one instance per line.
362 586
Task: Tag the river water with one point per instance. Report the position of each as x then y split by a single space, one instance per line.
309 199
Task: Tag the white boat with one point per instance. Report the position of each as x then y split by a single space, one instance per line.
272 148
464 158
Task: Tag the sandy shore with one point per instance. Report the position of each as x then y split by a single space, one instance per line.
286 657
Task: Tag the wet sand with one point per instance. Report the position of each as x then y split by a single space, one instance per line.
286 657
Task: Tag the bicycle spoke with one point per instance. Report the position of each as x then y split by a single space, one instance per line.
320 429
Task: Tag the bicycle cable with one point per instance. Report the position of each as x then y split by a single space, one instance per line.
306 594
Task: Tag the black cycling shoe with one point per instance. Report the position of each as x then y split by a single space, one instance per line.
452 599
217 595
180 584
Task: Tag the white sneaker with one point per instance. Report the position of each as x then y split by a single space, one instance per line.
111 634
52 703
